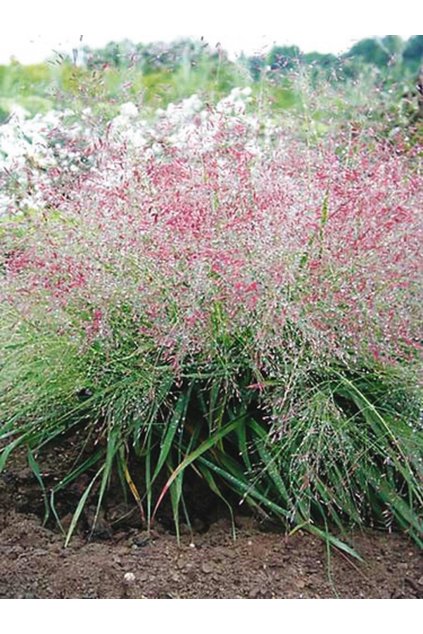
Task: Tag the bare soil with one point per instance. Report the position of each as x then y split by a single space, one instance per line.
121 560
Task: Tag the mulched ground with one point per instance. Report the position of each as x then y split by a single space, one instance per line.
122 561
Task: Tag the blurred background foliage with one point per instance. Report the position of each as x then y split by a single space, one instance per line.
376 78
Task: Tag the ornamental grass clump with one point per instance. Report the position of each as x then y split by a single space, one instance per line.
245 313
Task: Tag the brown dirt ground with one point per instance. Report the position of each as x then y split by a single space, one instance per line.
122 561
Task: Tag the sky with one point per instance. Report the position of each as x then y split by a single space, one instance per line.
35 29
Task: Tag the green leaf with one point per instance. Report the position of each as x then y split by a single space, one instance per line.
80 507
33 464
178 416
208 444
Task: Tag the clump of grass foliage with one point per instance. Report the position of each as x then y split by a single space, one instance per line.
242 309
